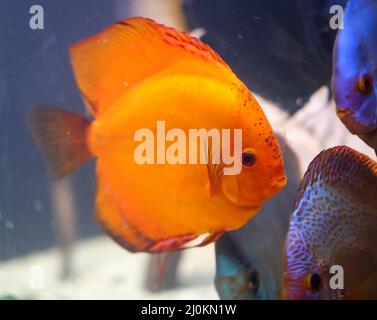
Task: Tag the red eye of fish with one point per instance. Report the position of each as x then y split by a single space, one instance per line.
248 158
365 84
314 281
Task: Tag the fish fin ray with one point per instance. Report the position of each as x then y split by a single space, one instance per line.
113 218
213 237
61 136
112 61
114 221
339 163
215 170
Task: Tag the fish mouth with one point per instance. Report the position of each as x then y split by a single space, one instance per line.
343 113
251 204
281 182
349 120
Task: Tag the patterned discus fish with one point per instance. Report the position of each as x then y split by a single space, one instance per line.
354 70
334 223
133 75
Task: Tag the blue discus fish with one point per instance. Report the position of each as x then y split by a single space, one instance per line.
355 70
249 260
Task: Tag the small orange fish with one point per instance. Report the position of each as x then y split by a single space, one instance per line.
330 250
132 75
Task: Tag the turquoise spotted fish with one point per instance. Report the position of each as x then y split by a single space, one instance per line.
334 223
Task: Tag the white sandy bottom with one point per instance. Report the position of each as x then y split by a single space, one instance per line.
103 270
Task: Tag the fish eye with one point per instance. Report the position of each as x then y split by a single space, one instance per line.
314 281
365 84
254 279
248 158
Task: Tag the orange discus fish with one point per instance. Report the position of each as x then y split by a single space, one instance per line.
135 75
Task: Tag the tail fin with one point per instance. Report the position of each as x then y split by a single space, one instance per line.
61 138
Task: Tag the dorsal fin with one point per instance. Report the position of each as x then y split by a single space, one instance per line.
340 163
114 60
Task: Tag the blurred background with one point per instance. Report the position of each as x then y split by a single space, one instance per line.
50 245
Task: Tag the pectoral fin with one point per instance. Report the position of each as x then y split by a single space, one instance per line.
215 168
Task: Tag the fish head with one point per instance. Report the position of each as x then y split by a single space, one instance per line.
243 285
305 276
262 174
354 80
236 277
